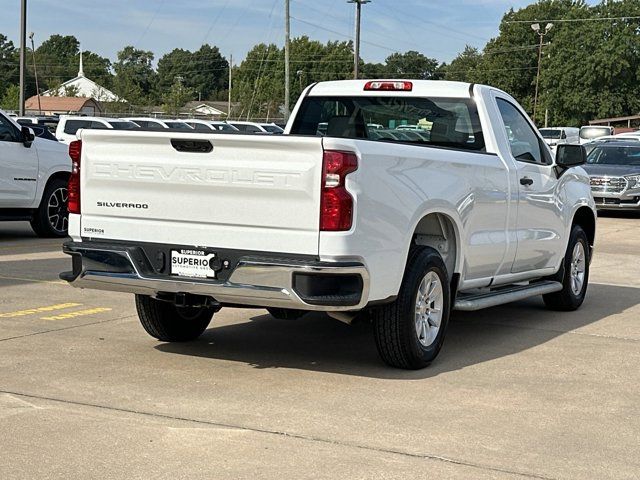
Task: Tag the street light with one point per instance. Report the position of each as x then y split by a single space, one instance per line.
541 33
35 72
356 54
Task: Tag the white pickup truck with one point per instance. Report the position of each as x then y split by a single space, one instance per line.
33 179
465 210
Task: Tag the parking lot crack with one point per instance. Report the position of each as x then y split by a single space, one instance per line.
297 436
52 330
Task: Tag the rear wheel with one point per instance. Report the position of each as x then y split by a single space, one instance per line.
52 217
168 323
410 332
574 275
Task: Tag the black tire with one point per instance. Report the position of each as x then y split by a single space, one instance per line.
285 313
51 220
168 323
567 299
395 329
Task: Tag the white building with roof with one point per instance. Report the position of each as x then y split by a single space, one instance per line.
83 87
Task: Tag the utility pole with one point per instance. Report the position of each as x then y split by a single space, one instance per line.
23 52
287 40
541 33
35 72
229 99
356 53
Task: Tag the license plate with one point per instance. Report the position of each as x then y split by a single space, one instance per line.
192 263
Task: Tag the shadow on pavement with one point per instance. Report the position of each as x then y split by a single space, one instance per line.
318 343
619 213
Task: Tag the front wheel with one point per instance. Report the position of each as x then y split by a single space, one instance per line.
574 274
169 323
410 331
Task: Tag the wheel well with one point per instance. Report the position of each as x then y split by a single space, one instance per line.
437 231
586 219
61 175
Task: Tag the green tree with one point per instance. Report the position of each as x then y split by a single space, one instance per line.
206 71
135 77
176 97
10 100
411 64
463 67
9 64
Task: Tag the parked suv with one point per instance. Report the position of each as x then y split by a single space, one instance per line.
33 179
614 169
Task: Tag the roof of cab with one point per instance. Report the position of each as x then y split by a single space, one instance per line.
432 88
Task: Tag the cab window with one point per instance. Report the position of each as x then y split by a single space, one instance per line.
524 143
8 132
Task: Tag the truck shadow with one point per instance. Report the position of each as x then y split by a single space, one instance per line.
318 343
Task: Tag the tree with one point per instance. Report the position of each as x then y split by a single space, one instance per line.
411 64
206 71
463 67
135 77
176 97
10 100
9 64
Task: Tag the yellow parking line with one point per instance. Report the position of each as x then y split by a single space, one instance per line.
79 313
33 311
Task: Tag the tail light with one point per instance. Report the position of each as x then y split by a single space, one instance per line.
336 203
75 152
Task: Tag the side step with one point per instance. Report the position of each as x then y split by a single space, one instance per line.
472 302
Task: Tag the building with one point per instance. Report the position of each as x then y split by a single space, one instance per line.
216 110
62 106
83 87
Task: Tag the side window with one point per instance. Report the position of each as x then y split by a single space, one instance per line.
72 126
8 133
98 126
524 143
241 127
252 129
199 127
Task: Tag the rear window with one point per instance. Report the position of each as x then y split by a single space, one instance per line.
589 133
443 122
550 133
272 128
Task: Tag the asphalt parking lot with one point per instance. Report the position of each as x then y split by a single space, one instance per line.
517 392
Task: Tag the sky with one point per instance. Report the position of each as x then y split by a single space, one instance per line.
437 28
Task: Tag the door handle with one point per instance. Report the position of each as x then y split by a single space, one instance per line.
526 181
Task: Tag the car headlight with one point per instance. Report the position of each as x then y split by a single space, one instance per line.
634 181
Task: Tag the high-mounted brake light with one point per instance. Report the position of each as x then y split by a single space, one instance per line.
75 152
336 203
389 86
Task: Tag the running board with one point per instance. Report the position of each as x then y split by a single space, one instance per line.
469 303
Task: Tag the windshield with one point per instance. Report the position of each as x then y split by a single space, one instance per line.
612 155
443 122
123 125
550 133
588 133
272 128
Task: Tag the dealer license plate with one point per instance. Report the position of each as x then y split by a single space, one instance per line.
192 263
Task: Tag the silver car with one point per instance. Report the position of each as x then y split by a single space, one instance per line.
614 169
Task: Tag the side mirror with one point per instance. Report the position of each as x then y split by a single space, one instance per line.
568 156
27 136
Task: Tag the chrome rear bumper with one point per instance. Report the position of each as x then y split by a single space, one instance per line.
254 282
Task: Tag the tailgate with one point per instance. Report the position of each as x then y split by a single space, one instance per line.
259 192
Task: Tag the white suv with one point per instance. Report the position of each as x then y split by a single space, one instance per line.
33 179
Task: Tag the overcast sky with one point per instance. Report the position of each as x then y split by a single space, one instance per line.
437 28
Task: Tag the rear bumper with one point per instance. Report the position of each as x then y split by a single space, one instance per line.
262 282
